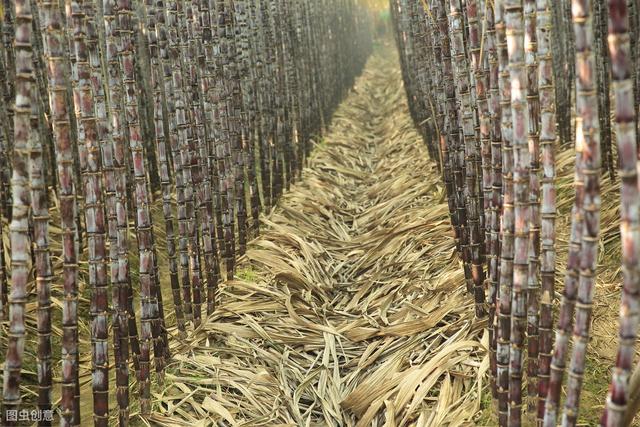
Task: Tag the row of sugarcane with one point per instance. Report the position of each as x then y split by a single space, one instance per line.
214 105
483 90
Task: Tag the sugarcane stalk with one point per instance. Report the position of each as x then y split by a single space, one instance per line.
279 159
521 179
186 130
463 93
316 114
91 168
223 146
236 120
505 290
145 119
150 322
456 149
4 160
193 179
3 269
264 66
54 52
177 138
246 72
44 275
206 139
481 83
156 36
253 156
427 82
625 137
445 90
564 70
548 208
303 75
125 335
533 284
168 46
25 128
208 25
5 182
495 114
5 136
604 92
587 110
634 25
212 64
116 163
197 148
233 146
9 94
453 150
288 92
568 303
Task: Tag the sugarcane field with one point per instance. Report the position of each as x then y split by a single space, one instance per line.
305 213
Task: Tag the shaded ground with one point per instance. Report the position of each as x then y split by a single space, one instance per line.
350 309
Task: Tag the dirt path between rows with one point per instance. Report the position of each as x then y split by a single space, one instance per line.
350 309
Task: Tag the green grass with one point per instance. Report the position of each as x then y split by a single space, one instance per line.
247 274
487 416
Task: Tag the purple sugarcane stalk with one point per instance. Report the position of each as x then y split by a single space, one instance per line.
625 134
548 211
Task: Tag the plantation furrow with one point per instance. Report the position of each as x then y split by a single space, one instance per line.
351 308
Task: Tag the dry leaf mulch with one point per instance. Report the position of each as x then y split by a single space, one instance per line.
351 308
